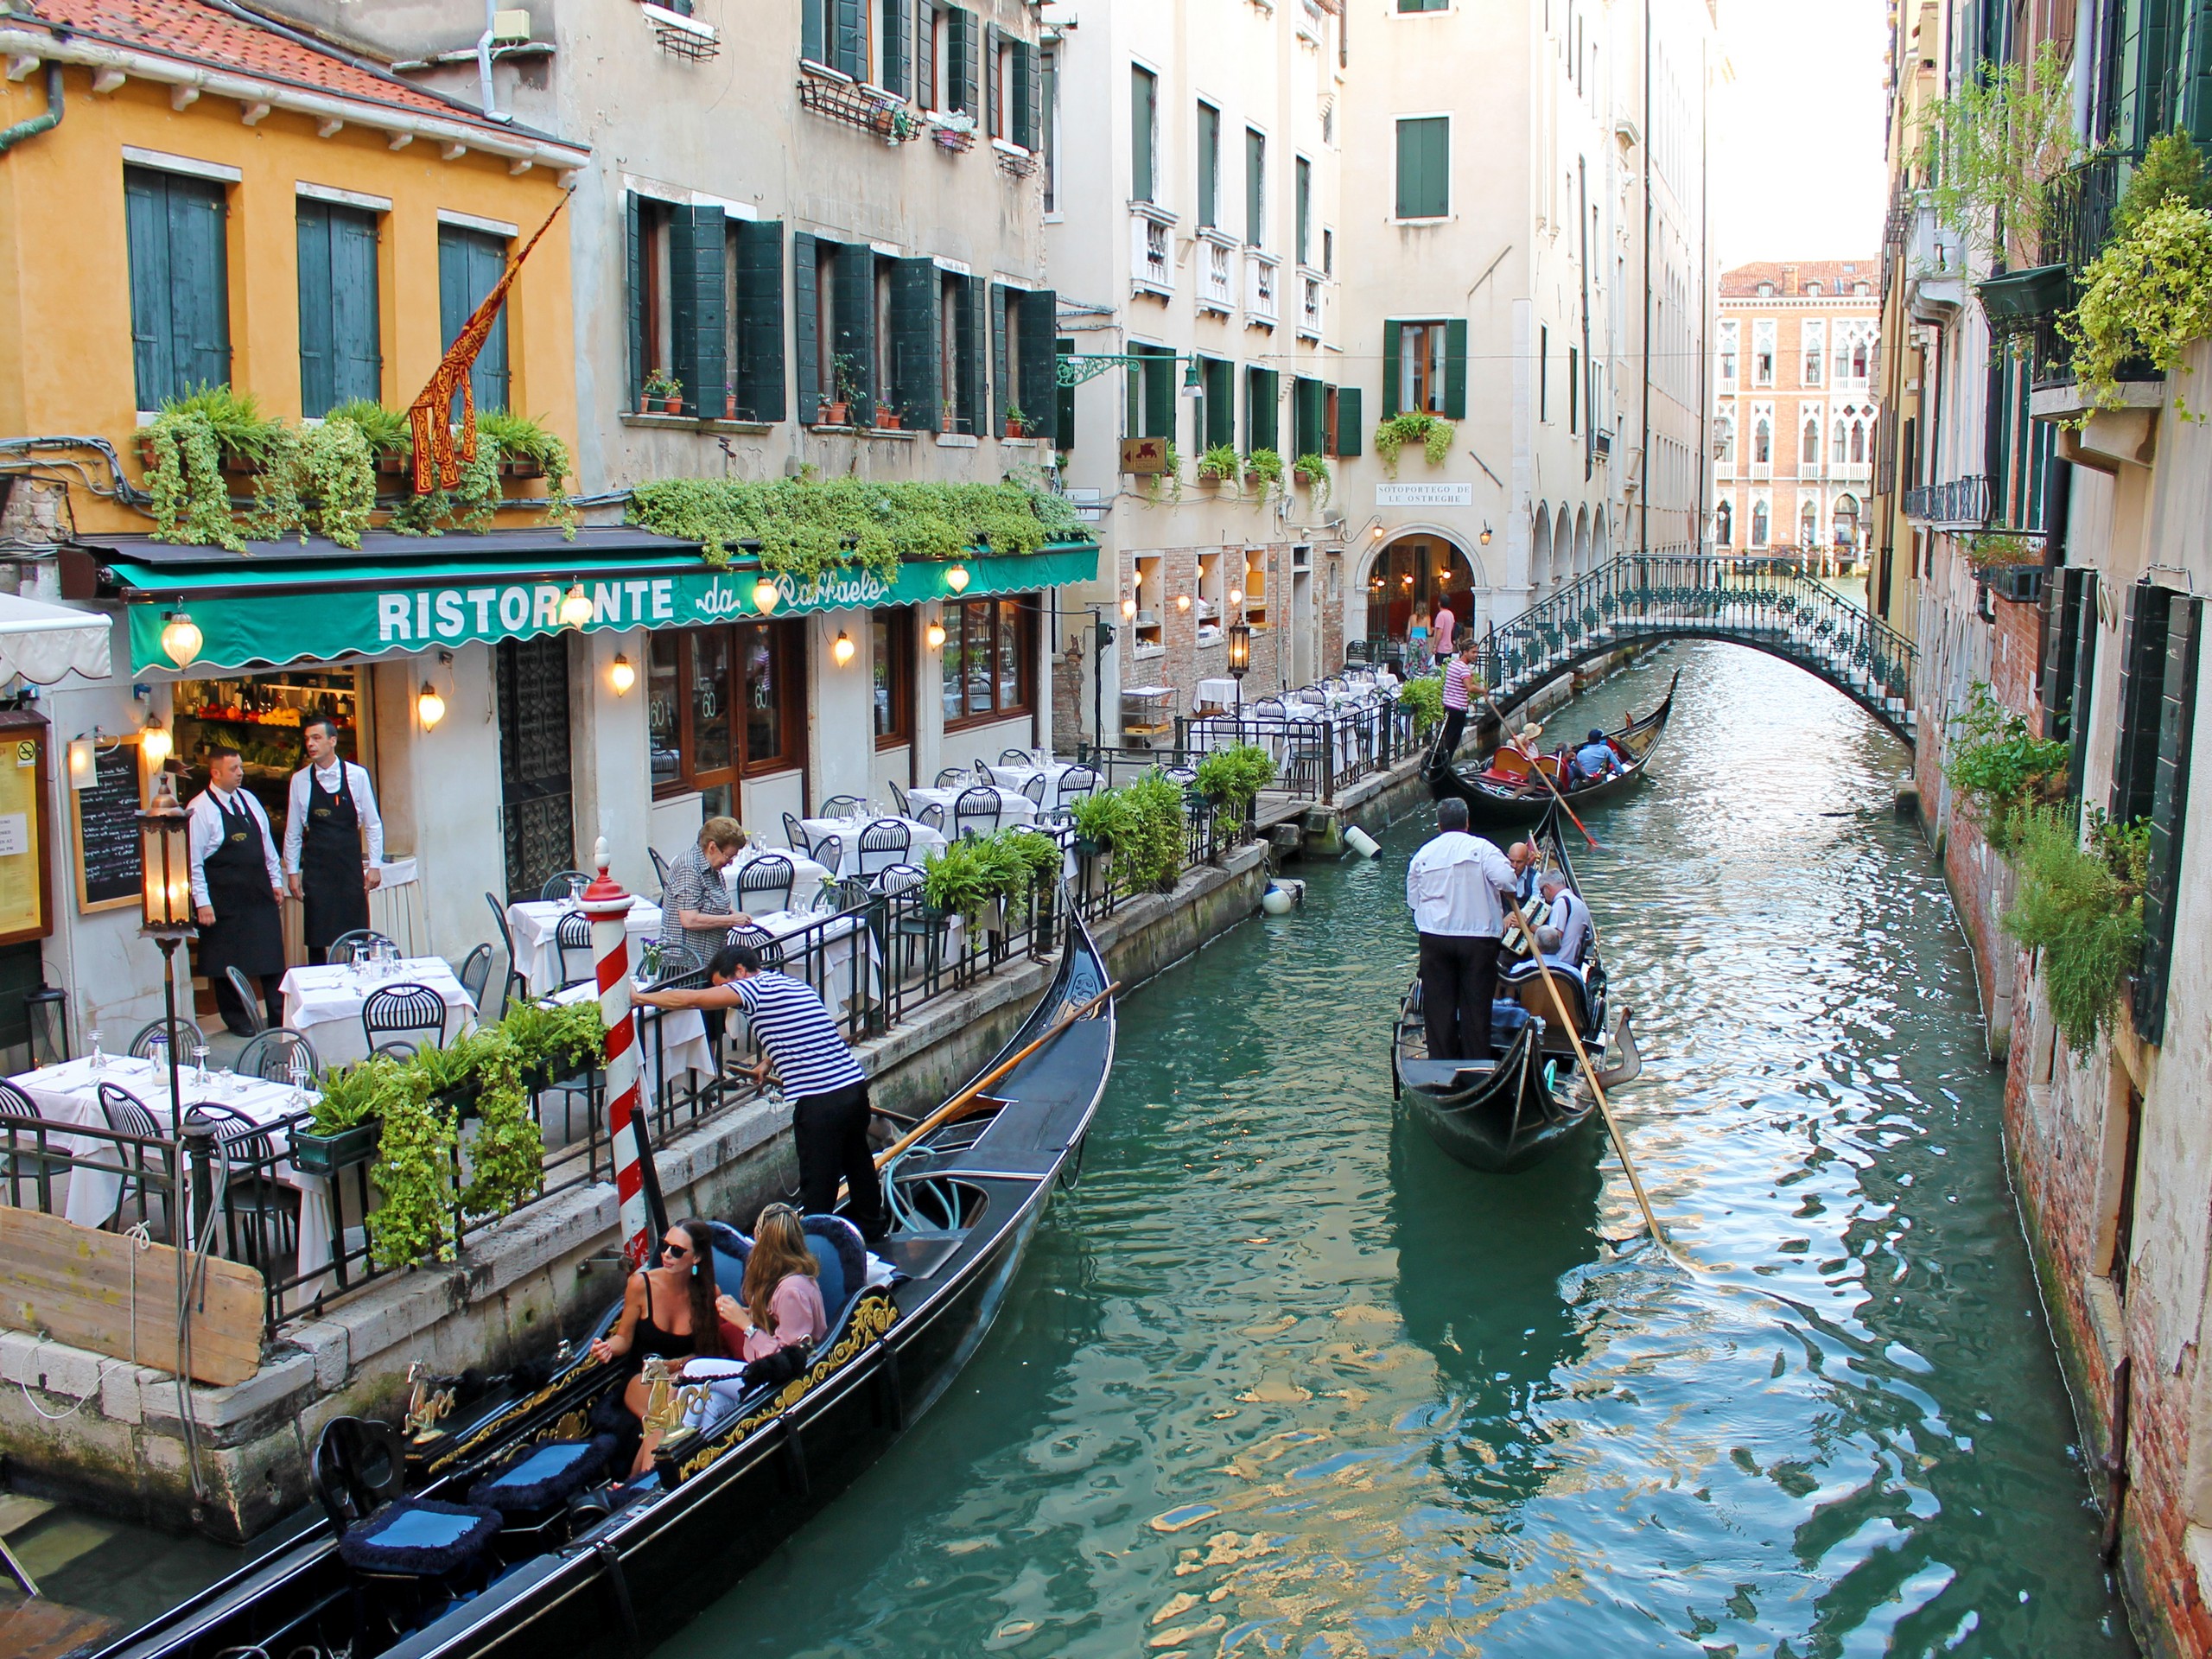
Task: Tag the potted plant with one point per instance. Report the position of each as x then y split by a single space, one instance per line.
955 882
663 389
951 416
1264 468
1312 471
391 440
887 419
1234 776
845 375
729 403
1148 846
1017 422
1219 465
347 1121
1097 818
1431 432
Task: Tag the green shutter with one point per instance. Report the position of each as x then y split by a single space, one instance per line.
1348 422
1025 95
146 215
760 320
970 338
1208 166
806 319
961 42
1424 167
1391 405
356 333
698 306
849 41
926 53
2195 115
180 286
1002 368
914 356
1455 369
1305 248
633 293
2169 812
1037 314
2085 672
898 38
1220 377
1260 395
1159 391
1255 188
1308 406
813 30
853 326
318 371
470 263
2142 682
1063 400
2062 609
1144 108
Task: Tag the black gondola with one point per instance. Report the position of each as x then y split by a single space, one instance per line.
1505 1114
619 1567
1515 795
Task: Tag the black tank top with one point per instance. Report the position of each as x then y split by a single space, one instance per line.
649 1339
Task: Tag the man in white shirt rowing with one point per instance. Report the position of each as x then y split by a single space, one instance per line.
1451 887
331 804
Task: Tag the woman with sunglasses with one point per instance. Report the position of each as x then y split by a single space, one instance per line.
668 1312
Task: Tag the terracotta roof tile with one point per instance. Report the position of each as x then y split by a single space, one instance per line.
1742 282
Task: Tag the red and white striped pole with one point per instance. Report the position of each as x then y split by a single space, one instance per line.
608 906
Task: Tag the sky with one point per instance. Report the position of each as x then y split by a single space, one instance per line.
1796 158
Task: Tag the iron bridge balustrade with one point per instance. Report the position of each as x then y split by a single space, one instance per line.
1769 604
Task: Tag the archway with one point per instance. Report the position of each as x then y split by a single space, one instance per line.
1539 551
1416 573
1582 542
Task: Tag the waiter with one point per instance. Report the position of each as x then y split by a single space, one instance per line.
331 804
236 887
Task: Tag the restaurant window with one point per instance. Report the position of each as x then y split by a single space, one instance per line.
260 715
893 644
180 283
725 703
986 674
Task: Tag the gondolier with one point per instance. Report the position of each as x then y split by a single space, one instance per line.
1458 693
1451 887
238 887
332 802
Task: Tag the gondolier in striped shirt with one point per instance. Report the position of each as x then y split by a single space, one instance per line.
1458 693
827 1090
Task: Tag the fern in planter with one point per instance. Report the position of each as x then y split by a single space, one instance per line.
1236 776
519 439
1264 467
390 434
956 881
1312 471
1035 858
1424 695
1219 465
2082 909
2001 767
1099 818
1431 432
2146 297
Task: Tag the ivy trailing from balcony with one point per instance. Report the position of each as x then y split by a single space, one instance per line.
1989 148
1264 468
1431 432
2079 901
2146 299
1312 470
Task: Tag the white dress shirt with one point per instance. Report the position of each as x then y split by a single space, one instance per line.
1452 884
205 833
364 804
1571 918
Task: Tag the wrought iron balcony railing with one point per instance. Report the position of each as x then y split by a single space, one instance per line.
1962 503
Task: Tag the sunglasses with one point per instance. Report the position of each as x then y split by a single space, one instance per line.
669 1247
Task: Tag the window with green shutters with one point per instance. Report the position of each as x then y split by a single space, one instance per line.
1208 166
898 41
1255 188
1262 426
470 263
1217 400
849 367
1424 368
180 284
757 317
806 324
916 351
1002 393
1305 192
1027 94
341 353
963 42
1424 167
1144 130
1424 5
1148 407
2176 723
698 306
1037 383
2142 683
1309 415
1348 429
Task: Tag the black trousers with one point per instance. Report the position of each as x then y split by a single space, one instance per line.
234 1012
1459 976
1455 728
831 1134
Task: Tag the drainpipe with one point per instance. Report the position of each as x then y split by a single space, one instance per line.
484 61
15 135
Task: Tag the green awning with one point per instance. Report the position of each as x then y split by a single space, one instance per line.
256 614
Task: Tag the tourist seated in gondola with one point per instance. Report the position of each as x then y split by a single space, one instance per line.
1564 934
780 1317
668 1313
1595 759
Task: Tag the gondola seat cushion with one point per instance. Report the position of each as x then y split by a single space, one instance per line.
549 1474
421 1537
843 1256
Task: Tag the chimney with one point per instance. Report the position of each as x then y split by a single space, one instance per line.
1790 282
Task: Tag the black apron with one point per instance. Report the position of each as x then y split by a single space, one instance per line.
330 864
248 931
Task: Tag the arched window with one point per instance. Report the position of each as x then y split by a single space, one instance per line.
1723 525
1859 440
1859 360
1762 442
1759 523
1812 449
1726 445
1809 525
1835 450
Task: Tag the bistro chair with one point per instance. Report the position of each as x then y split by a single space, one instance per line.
933 816
829 853
1269 709
897 878
843 806
1016 757
1355 652
769 875
249 997
357 946
907 927
677 959
883 843
22 1156
571 935
1033 791
398 1050
760 939
1075 782
556 886
975 812
261 1218
507 944
400 1008
795 836
983 774
660 866
272 1055
899 799
187 1036
475 974
125 1113
951 778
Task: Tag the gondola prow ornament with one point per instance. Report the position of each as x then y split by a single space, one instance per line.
637 1185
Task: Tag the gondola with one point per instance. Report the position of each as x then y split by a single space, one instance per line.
1504 791
615 1568
1505 1114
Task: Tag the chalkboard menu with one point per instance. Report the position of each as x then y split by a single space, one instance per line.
107 831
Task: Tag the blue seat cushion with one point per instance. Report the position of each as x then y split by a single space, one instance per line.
421 1536
838 1248
550 1473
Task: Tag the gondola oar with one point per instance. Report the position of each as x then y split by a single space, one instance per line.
1537 770
1589 1076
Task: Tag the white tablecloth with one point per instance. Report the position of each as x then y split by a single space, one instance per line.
69 1093
807 876
537 925
324 1004
1221 693
847 831
1017 777
1014 807
683 1042
825 959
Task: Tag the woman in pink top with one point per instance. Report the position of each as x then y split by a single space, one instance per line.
782 1303
1442 636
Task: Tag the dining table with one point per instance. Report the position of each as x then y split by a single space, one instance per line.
1052 771
1014 807
847 831
324 1003
536 925
807 876
824 956
69 1094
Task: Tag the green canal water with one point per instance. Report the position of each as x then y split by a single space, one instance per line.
1280 1379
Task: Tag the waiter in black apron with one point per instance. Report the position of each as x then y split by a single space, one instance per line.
238 887
331 804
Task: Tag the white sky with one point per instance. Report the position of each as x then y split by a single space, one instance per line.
1796 156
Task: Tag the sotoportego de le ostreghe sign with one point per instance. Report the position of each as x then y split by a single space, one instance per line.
240 628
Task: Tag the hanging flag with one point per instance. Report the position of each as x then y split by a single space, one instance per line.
437 457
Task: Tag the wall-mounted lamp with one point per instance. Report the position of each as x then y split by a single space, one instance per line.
1484 537
765 595
155 744
1190 388
181 639
841 648
956 577
84 760
621 676
1378 532
1236 595
1182 602
430 706
576 606
1128 606
935 634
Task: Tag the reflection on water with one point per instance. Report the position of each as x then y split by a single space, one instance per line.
1280 1379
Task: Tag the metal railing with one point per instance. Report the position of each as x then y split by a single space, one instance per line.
1959 503
2078 206
1317 754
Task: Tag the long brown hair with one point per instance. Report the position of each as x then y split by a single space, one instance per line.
706 1328
779 1249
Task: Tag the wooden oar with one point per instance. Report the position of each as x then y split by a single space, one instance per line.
1536 769
1590 1075
960 1103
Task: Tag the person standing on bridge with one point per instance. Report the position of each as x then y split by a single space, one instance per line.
1451 887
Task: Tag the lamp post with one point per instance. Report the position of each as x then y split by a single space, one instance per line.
1239 657
165 905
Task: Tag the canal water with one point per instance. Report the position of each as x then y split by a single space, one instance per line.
1279 1378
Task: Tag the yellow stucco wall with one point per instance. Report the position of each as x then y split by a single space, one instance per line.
66 362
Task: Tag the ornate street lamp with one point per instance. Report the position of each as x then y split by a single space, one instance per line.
165 910
1240 655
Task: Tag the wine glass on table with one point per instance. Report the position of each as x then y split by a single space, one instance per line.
98 1061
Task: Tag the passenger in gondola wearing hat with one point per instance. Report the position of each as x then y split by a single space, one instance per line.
237 889
332 802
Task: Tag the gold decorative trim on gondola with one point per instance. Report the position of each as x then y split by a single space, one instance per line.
483 1431
874 1315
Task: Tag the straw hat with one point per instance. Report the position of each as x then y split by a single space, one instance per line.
1531 732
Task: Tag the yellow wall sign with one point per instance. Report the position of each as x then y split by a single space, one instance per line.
26 887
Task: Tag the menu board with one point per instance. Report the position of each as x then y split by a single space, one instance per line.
107 828
25 892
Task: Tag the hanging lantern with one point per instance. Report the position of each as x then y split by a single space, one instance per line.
164 862
956 578
1240 648
935 634
765 595
154 743
621 676
576 606
429 706
841 649
181 639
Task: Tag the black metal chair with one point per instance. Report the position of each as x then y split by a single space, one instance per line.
272 1055
795 836
556 886
677 959
660 865
770 876
975 812
397 1049
771 950
1033 791
898 878
1016 757
398 1010
829 853
476 973
899 799
951 778
984 774
1075 783
507 942
571 935
357 944
187 1037
261 1216
883 843
249 997
933 816
842 806
125 1113
23 1158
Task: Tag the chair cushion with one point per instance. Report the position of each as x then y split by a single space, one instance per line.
550 1473
838 1246
421 1536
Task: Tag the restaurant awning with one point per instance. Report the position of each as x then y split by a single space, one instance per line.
42 642
401 594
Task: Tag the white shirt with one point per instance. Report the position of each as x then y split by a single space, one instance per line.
206 835
1451 885
1571 918
364 802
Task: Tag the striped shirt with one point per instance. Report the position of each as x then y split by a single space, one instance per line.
798 1035
1459 677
